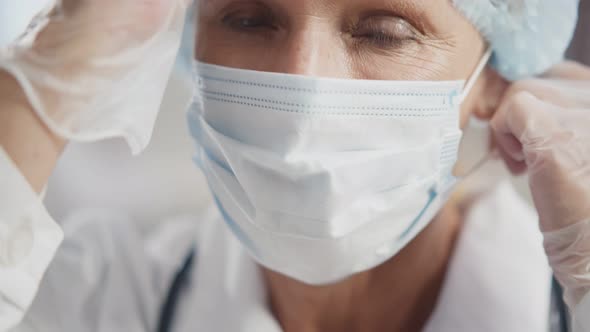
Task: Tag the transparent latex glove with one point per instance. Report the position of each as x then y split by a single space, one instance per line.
95 69
543 127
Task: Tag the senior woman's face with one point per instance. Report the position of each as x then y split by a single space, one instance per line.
359 39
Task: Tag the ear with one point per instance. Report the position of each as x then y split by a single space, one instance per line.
493 87
484 99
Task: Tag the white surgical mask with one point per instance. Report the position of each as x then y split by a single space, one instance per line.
321 178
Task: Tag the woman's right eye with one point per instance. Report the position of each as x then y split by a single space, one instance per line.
249 22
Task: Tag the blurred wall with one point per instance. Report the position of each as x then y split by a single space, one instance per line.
160 183
580 49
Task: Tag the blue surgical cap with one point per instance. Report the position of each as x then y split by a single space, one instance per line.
527 37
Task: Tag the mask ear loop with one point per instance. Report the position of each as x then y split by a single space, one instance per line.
466 90
475 75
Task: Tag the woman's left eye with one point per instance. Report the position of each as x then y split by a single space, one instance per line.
384 32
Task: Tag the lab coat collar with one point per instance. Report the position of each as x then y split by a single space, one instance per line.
498 278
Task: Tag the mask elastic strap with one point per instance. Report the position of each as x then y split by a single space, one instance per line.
468 86
476 73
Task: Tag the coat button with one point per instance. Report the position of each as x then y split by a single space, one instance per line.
16 242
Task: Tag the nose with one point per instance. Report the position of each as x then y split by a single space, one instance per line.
313 50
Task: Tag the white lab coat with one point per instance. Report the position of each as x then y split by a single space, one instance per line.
15 17
109 276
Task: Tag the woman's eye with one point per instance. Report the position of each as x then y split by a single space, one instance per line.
249 22
385 32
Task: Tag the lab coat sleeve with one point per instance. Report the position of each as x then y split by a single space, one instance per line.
101 279
29 239
581 315
110 274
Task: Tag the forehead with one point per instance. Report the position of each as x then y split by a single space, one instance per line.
328 6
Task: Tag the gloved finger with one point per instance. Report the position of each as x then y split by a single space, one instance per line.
508 123
530 120
524 116
554 153
515 166
568 251
568 70
87 28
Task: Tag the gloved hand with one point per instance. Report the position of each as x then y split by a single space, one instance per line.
98 68
543 127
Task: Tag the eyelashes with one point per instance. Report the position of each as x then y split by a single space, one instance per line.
383 31
252 18
241 22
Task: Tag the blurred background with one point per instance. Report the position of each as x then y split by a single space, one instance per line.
580 49
163 181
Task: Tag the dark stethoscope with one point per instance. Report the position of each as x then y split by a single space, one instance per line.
182 278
